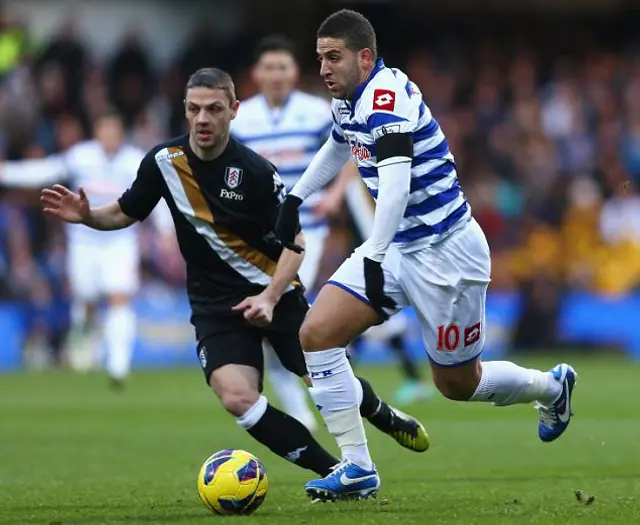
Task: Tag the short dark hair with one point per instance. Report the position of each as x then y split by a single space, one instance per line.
352 27
213 78
274 42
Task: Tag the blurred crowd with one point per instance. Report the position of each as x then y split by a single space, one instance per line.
547 147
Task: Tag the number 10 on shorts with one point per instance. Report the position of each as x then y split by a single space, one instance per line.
449 336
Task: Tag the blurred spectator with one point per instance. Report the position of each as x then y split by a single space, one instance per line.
130 80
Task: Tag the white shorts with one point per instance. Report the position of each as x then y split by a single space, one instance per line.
446 284
107 269
314 250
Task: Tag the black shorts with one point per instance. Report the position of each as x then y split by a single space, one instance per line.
230 339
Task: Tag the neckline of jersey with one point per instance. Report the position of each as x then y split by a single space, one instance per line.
190 153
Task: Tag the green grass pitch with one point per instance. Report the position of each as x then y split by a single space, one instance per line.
74 452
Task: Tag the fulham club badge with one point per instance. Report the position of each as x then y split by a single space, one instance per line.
232 177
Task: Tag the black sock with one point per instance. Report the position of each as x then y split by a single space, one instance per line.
409 367
290 439
374 409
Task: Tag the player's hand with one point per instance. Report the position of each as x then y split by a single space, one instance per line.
257 309
287 223
374 288
64 204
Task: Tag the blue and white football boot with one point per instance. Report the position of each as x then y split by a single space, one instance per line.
555 418
347 481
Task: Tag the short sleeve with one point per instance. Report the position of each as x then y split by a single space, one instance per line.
146 190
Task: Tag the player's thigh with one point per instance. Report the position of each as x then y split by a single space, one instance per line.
120 270
232 361
83 266
450 297
454 344
341 312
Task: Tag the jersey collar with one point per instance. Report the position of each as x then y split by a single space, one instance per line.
359 90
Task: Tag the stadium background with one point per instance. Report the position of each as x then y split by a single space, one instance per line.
540 101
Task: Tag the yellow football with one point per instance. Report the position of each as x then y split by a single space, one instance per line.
232 482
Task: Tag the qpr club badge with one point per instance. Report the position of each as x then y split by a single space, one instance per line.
232 176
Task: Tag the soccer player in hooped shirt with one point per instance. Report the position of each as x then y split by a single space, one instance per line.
426 250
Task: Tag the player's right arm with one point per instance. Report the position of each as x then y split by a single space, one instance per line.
60 202
324 167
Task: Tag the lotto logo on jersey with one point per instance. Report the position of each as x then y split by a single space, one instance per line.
232 177
471 334
384 99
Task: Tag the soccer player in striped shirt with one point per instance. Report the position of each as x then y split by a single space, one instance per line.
426 251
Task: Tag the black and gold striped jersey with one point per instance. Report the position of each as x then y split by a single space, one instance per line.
224 211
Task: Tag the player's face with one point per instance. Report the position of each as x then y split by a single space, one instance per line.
341 68
275 74
109 132
209 112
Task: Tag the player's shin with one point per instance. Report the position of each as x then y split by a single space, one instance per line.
337 394
120 328
504 383
286 437
374 409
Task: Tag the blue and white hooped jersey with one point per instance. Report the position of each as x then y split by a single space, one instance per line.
289 137
388 102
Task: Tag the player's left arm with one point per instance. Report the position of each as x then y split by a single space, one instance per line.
286 271
392 123
258 309
394 179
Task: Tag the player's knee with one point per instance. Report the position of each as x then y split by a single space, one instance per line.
311 336
455 391
457 383
238 401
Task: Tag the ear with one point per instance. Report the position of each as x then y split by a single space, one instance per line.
184 103
366 56
234 109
